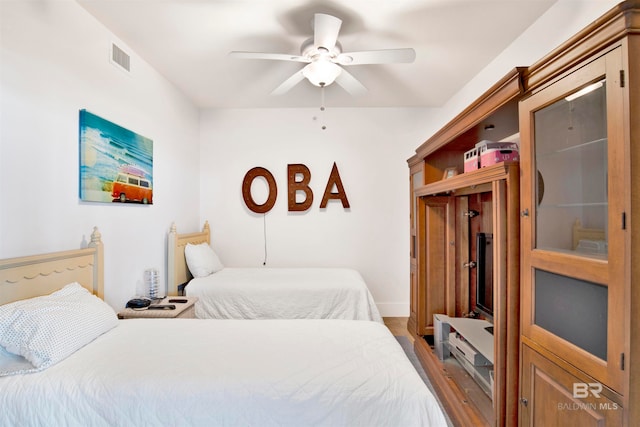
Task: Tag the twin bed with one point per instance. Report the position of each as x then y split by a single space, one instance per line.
266 293
192 371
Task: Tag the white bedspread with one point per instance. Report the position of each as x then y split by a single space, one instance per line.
283 293
193 372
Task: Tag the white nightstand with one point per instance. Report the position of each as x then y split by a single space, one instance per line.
183 310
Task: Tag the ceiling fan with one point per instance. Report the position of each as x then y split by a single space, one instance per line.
325 60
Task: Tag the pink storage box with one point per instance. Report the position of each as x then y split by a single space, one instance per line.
471 160
491 153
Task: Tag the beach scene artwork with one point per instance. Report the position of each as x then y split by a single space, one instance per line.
116 164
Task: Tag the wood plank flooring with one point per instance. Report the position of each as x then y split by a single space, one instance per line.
398 326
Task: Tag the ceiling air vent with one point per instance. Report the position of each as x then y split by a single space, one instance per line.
120 58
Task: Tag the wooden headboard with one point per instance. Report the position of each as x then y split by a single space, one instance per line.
581 233
178 273
36 275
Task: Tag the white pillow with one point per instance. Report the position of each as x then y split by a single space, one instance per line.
47 329
11 364
202 260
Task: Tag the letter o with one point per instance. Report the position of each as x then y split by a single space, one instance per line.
246 190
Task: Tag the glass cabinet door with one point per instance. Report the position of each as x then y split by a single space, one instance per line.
570 152
572 201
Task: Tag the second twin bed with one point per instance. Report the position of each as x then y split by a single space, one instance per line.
263 293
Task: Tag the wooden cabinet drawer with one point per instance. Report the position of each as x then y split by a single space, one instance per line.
553 396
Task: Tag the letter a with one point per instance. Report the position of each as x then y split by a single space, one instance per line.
334 179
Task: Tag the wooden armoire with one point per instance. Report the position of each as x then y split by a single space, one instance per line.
566 328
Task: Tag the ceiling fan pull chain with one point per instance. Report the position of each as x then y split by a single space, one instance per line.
322 102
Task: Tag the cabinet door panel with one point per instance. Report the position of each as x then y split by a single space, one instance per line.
572 239
555 397
436 290
416 180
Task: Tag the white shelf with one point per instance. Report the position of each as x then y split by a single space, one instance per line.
480 374
573 147
473 330
474 333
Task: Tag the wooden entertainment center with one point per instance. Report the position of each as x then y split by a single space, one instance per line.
445 215
564 313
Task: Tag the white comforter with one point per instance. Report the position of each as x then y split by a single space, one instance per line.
192 372
283 293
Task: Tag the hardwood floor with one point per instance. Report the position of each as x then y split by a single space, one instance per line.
398 326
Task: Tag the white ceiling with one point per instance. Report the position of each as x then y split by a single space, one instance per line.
188 41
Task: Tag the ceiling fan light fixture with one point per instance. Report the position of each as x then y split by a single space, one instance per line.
322 54
321 73
310 50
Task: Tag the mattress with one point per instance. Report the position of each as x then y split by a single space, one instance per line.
196 372
283 293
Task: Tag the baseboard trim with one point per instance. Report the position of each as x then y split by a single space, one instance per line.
393 309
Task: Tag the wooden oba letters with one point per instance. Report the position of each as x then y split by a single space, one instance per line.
246 190
294 186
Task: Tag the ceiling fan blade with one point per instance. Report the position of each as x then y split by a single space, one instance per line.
350 83
288 84
384 56
325 30
273 56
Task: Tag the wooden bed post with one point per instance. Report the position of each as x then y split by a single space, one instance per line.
98 271
171 256
177 270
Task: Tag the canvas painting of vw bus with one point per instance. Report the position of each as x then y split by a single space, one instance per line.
116 164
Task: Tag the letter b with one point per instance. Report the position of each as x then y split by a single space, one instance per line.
295 186
580 390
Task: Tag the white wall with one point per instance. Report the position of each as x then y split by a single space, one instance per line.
562 21
54 62
370 148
